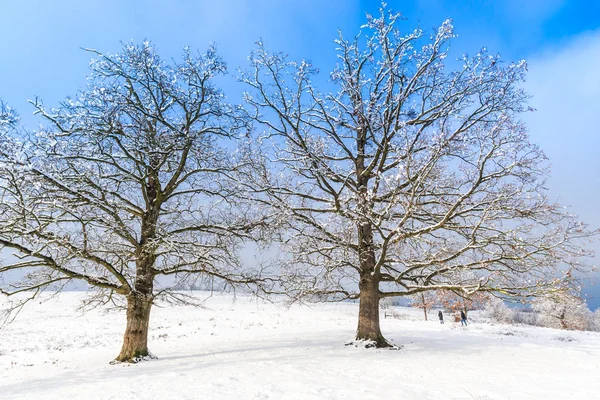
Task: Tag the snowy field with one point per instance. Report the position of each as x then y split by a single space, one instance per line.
252 350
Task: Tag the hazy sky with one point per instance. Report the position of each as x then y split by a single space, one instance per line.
40 55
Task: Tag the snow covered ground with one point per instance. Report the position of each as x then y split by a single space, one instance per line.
251 350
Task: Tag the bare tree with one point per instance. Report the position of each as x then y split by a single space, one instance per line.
563 308
455 302
595 320
497 310
424 300
129 182
406 174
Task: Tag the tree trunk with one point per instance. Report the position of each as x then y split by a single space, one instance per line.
135 340
563 320
139 301
139 304
368 313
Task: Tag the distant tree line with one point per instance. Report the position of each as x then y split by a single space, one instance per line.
554 309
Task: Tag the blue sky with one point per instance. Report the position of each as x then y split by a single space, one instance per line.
40 55
40 40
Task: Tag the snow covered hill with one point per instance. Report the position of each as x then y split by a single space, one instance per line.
247 349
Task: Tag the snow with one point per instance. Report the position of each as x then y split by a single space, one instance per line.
248 349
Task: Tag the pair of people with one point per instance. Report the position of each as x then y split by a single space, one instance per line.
463 317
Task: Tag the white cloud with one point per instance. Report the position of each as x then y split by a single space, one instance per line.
565 83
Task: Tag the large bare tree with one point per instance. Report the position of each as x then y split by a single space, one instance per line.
414 174
129 182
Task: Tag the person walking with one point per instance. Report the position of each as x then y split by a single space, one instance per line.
441 317
463 318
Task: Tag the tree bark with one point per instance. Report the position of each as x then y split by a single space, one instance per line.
139 304
135 340
368 312
139 301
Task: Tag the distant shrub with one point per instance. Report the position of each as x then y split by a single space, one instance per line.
498 311
565 338
511 332
388 302
526 317
563 311
594 322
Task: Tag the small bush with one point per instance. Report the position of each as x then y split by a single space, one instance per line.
498 311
